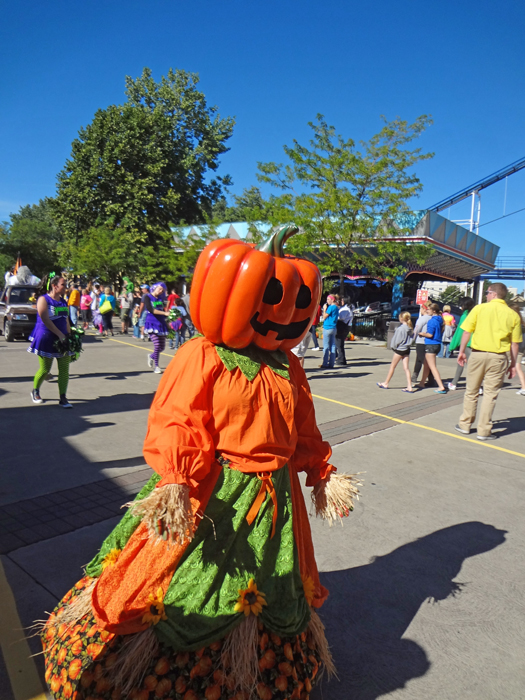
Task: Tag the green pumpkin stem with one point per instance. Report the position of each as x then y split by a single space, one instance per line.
275 243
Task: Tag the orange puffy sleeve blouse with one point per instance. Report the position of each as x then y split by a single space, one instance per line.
201 408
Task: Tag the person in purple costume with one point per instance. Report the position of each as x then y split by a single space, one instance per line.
52 324
155 323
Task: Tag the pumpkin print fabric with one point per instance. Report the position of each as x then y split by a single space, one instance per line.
79 660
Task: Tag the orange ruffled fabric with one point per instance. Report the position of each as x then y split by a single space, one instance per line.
202 408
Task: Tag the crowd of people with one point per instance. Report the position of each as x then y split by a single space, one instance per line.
489 338
62 307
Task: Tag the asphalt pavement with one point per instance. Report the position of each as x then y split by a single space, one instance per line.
425 576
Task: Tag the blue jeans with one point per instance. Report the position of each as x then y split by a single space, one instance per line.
329 347
314 336
73 315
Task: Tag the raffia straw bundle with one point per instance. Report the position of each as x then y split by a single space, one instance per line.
167 512
134 658
316 632
239 658
334 499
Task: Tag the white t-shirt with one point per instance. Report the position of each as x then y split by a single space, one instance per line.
94 303
126 300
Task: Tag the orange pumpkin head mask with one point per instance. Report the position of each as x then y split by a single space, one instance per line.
242 295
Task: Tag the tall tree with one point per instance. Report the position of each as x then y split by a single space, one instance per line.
143 165
350 201
32 233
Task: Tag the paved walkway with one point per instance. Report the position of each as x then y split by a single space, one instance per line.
425 576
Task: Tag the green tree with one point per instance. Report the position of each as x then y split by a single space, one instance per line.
104 253
32 233
346 198
451 295
144 165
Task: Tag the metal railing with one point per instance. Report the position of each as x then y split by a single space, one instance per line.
515 262
374 325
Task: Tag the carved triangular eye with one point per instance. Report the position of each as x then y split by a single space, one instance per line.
304 297
273 293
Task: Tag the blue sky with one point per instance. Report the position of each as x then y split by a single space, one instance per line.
274 66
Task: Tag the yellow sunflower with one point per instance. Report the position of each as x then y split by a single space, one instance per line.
155 610
110 558
308 588
250 600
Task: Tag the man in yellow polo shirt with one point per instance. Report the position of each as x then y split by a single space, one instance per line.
496 331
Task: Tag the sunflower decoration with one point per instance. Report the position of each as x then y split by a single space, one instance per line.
308 588
155 611
250 600
110 558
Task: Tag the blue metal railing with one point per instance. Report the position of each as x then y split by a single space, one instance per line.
479 185
510 263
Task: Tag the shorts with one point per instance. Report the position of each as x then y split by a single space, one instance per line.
124 314
402 353
432 349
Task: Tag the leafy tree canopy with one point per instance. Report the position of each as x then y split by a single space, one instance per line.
143 165
345 196
32 233
451 295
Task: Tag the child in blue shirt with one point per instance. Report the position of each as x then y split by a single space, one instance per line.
432 336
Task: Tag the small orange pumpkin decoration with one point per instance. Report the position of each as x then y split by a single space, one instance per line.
243 295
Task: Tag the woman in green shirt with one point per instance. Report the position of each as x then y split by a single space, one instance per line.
467 305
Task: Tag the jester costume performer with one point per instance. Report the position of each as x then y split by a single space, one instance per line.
208 588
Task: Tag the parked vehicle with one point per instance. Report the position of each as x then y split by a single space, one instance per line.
374 307
17 311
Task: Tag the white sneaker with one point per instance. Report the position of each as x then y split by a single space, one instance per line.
521 392
150 362
157 370
316 349
35 396
451 387
480 392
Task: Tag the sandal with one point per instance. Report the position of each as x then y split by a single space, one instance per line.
440 391
408 391
381 386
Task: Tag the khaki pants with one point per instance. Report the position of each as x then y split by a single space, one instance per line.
487 368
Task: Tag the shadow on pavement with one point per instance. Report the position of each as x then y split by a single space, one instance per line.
367 363
507 426
370 608
338 374
40 434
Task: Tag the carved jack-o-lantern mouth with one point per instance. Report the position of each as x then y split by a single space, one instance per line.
284 332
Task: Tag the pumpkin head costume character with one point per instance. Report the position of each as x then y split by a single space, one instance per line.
208 587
